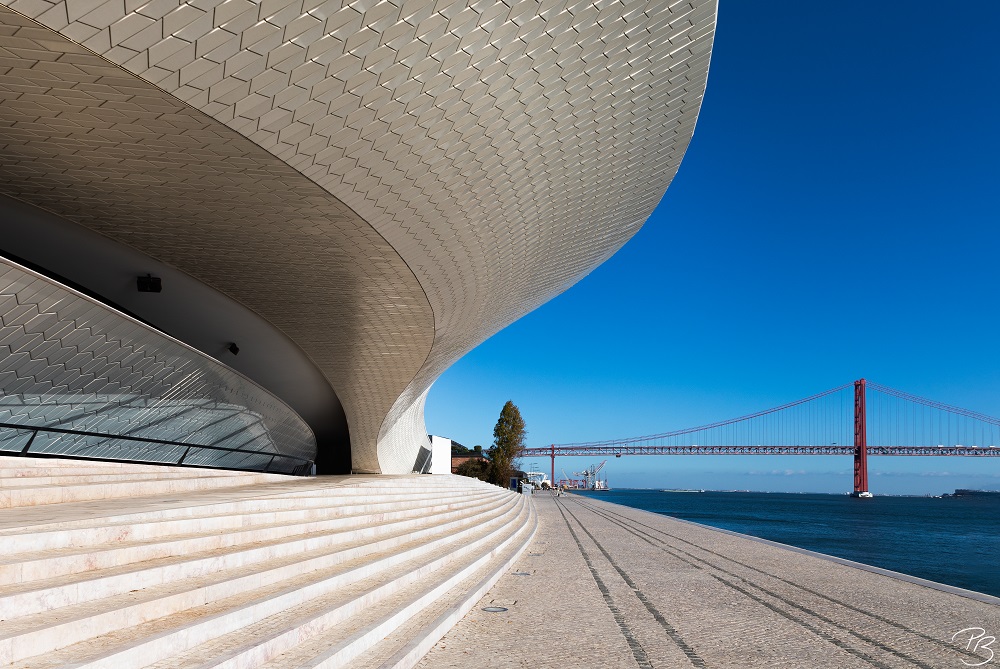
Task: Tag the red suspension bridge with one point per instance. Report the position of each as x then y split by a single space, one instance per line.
877 420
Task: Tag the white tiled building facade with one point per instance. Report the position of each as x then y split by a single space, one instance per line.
383 185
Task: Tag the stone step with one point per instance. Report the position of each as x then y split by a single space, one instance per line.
209 568
402 481
285 495
407 645
31 479
212 499
152 640
281 633
21 544
35 566
370 628
16 467
26 598
69 464
32 495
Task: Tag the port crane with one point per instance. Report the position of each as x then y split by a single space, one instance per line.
567 482
591 482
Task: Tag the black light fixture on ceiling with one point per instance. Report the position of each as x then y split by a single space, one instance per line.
233 348
149 284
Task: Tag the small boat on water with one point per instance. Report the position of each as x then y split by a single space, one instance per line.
680 490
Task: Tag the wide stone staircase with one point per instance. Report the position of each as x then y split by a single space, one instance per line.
119 565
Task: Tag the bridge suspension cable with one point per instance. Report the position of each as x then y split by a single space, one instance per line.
861 418
801 422
903 419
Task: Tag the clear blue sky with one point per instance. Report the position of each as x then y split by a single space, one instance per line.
837 215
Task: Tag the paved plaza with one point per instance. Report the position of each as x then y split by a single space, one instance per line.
604 585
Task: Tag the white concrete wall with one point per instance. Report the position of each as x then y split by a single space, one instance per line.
440 455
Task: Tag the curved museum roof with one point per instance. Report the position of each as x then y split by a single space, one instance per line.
380 186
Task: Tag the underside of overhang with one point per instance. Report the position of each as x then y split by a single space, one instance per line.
185 309
249 250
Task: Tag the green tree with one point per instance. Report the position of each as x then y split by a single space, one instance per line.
508 443
475 468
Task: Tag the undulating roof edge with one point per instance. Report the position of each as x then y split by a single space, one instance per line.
387 186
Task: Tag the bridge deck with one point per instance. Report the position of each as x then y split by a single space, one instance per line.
611 586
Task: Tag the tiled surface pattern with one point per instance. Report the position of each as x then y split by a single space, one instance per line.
103 148
71 363
503 149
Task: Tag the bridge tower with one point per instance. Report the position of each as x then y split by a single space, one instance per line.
553 479
860 442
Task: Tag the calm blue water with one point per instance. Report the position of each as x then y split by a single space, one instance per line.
954 540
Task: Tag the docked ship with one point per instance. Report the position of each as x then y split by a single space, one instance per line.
538 480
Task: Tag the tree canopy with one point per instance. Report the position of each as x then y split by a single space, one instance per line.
458 450
475 468
508 443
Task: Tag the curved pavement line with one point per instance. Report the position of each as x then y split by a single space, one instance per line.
672 632
846 605
638 652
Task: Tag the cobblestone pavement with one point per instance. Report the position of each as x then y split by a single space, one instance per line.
609 586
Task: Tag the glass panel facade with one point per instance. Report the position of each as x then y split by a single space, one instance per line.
12 441
70 363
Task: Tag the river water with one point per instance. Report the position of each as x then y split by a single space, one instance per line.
953 540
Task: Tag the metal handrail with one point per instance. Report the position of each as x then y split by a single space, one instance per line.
303 468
